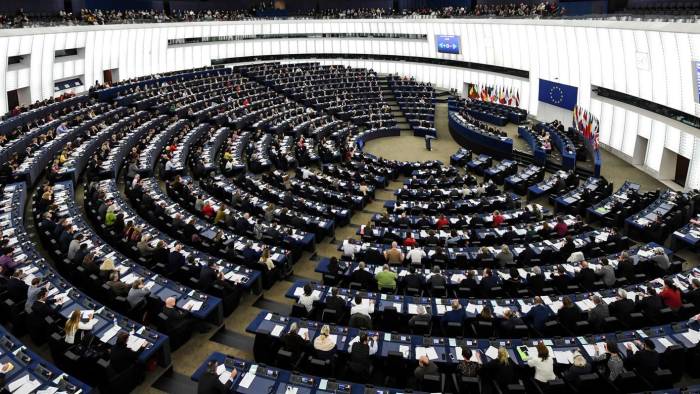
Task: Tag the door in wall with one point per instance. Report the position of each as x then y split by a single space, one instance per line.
682 165
107 76
12 99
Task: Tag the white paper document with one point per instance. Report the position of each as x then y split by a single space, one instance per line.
247 380
277 330
426 351
491 352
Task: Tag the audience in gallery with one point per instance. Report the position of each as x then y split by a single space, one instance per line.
22 19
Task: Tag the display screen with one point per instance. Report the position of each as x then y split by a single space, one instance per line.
447 44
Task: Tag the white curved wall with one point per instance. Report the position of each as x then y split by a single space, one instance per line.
648 60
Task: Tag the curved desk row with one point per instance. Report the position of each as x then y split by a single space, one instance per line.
471 138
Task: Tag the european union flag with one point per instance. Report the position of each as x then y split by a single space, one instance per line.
564 96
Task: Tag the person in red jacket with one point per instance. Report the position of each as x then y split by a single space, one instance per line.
561 228
442 222
208 210
409 241
498 219
671 295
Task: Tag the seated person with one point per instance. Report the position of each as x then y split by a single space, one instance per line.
466 366
456 314
308 298
324 343
501 369
119 288
209 382
425 367
137 293
646 359
386 278
176 318
579 367
293 342
421 315
120 356
75 323
361 348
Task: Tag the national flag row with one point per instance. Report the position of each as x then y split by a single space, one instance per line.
494 94
588 125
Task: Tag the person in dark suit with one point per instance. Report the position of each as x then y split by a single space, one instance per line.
41 308
436 279
538 314
470 281
693 296
65 239
625 267
650 304
507 327
645 360
119 288
176 318
333 266
293 342
242 225
208 275
621 307
335 302
456 314
422 315
568 247
361 276
586 276
501 369
597 315
561 279
176 260
569 314
360 354
536 280
412 280
488 282
209 382
120 356
16 288
161 253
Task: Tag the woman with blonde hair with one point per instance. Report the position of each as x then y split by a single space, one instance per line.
578 368
324 343
501 368
107 267
74 323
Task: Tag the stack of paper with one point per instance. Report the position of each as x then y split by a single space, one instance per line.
404 350
585 304
491 352
277 331
24 385
426 351
109 334
247 380
665 342
692 336
590 349
135 343
193 305
564 356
